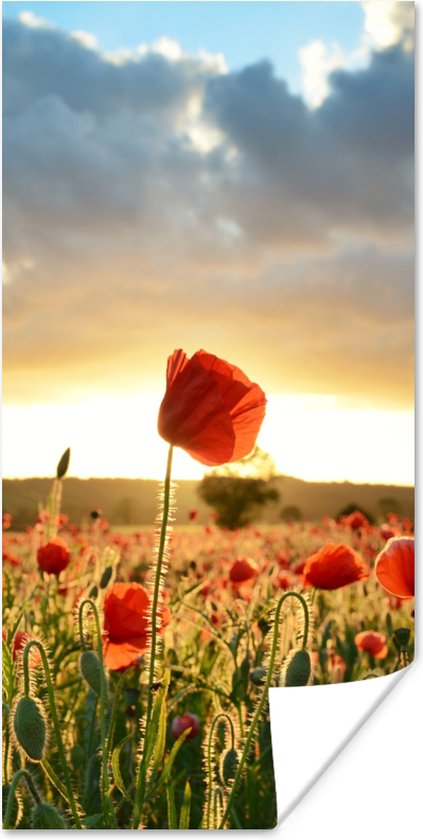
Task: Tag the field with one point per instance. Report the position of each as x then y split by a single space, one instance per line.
91 741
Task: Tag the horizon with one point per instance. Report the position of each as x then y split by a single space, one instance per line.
197 480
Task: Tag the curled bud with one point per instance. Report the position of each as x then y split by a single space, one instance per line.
297 670
45 815
229 765
30 727
89 665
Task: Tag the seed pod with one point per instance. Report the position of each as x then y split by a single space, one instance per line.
105 578
89 666
229 765
30 727
45 815
298 669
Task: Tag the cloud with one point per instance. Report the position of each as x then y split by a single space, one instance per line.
157 200
386 24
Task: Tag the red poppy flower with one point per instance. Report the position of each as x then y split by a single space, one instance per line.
356 520
126 624
334 566
244 568
394 567
54 556
183 722
373 643
210 408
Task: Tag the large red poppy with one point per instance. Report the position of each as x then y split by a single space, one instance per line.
394 567
334 566
126 624
210 408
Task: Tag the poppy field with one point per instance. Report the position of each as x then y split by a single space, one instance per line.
137 664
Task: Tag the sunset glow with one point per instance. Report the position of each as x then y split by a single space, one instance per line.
310 437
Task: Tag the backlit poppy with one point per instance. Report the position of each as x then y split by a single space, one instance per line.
243 569
334 566
210 408
126 624
372 642
394 567
53 557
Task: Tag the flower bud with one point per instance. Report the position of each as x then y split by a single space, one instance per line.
402 638
45 815
30 727
63 464
229 765
89 666
105 578
297 670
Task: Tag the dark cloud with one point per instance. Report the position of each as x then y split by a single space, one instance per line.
157 203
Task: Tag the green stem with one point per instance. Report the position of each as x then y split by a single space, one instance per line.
157 578
54 717
21 774
142 769
260 707
109 812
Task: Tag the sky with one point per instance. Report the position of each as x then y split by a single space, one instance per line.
232 176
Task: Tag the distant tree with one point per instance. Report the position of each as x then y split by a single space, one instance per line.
237 492
389 505
291 513
123 512
353 506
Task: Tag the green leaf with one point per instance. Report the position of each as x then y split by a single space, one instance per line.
8 674
54 779
172 821
171 759
185 807
160 744
92 820
153 736
115 762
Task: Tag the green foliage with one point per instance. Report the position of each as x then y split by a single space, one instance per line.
351 507
237 492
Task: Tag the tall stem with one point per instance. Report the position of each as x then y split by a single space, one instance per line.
142 768
157 577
